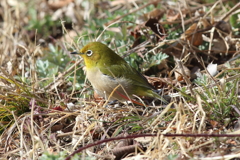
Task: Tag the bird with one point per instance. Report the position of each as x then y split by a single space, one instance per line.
112 77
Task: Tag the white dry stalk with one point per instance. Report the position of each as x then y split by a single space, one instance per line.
199 111
106 29
81 138
155 122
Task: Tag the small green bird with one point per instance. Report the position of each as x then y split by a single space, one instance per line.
112 77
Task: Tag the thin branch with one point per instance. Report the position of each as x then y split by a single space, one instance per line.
148 135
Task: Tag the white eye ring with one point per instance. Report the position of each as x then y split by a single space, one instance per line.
89 53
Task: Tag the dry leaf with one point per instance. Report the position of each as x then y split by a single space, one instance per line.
205 23
212 69
172 15
156 82
213 123
157 28
219 46
69 37
182 72
192 35
155 14
163 67
224 27
124 147
56 4
120 2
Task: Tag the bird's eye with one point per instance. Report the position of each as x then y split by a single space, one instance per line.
89 53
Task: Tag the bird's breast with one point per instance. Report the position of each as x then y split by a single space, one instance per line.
105 84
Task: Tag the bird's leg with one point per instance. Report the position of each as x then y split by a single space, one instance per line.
112 102
158 91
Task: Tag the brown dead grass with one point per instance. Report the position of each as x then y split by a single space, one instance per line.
36 119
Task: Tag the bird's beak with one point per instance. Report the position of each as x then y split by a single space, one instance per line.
75 52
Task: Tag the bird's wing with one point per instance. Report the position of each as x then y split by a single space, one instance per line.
127 72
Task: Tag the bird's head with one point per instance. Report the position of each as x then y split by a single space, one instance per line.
96 53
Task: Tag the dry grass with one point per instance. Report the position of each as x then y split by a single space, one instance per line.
50 111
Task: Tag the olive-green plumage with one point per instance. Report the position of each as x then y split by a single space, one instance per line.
108 72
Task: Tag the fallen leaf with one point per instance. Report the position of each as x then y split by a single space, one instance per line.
213 123
181 72
212 69
192 35
219 46
156 82
173 15
155 14
56 4
157 28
